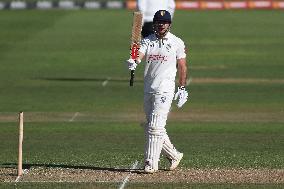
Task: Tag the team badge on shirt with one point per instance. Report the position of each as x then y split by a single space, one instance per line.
168 47
163 99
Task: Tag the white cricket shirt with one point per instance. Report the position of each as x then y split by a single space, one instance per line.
161 59
150 7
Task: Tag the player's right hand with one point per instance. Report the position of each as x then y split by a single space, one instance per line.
131 64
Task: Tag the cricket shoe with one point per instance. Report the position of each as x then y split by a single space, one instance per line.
174 163
149 169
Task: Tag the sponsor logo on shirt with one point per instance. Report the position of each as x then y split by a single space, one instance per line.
157 58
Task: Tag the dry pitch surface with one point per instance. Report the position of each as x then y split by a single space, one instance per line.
48 174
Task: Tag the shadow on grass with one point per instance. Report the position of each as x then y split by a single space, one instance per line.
28 166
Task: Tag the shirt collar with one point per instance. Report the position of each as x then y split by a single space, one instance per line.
164 38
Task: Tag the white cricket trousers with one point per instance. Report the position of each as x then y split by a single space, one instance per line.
157 107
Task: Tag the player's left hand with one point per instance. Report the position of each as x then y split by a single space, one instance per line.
181 95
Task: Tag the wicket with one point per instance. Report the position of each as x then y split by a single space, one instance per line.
21 132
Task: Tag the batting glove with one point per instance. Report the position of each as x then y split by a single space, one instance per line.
182 96
132 64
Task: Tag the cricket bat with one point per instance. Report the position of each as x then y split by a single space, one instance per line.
135 40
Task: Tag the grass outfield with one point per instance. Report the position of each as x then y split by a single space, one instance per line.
65 70
51 60
206 145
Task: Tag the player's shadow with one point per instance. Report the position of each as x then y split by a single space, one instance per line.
29 166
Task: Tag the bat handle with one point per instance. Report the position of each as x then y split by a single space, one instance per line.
131 78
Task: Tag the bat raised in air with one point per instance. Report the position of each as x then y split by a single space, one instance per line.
135 40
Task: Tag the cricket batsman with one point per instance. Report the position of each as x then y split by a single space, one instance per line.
164 55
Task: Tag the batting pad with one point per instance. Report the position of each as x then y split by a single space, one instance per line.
155 138
169 149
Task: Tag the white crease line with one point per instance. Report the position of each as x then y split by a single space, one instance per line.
18 178
74 116
126 178
188 81
25 171
105 82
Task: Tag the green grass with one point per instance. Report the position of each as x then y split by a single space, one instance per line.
56 61
246 43
51 60
210 145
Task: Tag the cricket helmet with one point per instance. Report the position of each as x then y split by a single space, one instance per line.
162 15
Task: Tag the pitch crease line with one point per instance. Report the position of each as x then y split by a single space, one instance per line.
74 116
127 178
25 171
188 81
105 82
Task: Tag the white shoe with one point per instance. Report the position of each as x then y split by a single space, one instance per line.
175 163
149 169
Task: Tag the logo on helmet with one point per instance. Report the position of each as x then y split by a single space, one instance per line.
162 13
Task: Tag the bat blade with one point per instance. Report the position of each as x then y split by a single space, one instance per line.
136 27
135 40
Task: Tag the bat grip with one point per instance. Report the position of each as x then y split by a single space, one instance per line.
131 78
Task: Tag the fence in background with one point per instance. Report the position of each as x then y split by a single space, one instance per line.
221 4
131 4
